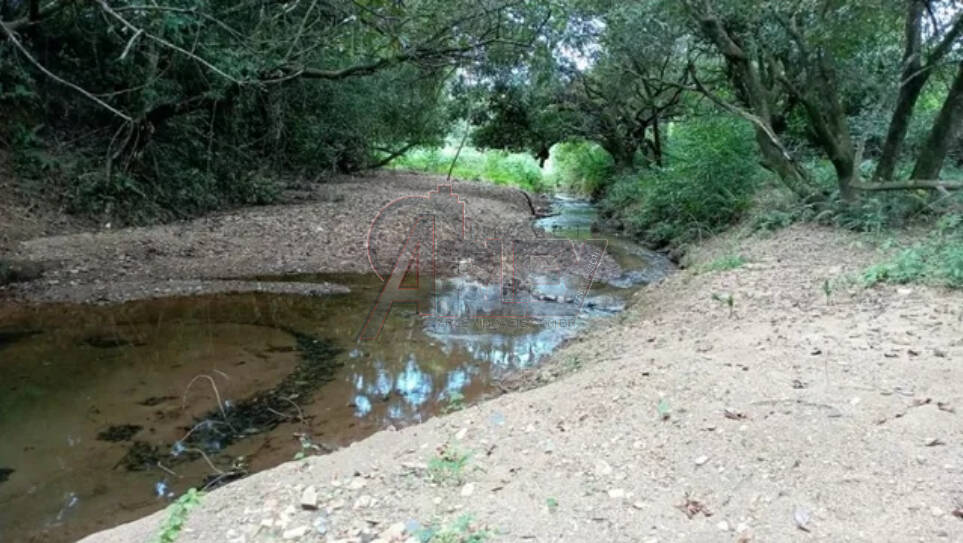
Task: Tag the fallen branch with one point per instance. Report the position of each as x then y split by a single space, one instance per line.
912 185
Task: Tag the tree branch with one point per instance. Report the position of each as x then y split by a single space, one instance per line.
23 50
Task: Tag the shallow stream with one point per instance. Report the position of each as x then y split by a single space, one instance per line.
109 412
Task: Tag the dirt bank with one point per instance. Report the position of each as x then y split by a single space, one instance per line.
321 229
794 418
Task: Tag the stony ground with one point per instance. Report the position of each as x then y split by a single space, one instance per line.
321 229
783 416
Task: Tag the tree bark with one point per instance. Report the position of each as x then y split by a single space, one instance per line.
912 80
947 127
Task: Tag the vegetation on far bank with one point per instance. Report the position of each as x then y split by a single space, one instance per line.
680 118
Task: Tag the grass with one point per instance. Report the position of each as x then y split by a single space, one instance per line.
462 530
499 167
177 515
724 263
448 466
936 261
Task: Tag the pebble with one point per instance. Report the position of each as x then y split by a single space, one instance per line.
937 512
461 434
468 490
309 499
603 468
723 526
701 460
295 533
362 502
616 493
395 531
357 483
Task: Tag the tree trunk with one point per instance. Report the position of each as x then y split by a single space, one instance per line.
912 80
657 141
947 127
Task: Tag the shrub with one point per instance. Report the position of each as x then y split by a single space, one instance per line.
938 261
707 187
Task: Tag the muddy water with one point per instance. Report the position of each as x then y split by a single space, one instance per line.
109 412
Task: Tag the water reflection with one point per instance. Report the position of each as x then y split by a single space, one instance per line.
67 373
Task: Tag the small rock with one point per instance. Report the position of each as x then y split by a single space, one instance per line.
295 533
638 505
701 460
603 468
363 502
357 483
321 525
936 511
801 516
394 532
461 434
723 526
616 493
309 499
468 490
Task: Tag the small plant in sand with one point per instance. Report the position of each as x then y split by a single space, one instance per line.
456 402
308 447
177 515
552 505
462 530
448 466
726 299
827 290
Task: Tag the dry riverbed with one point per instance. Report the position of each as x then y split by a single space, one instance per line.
322 229
786 415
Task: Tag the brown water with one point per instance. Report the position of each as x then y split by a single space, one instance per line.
81 387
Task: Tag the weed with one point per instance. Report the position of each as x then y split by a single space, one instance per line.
726 299
461 531
448 467
725 263
552 504
308 447
177 515
827 289
456 402
573 363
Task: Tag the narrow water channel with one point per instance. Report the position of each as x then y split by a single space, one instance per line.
109 412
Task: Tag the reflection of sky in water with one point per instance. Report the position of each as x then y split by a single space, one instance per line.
407 390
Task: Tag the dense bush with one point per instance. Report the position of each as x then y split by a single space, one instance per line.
707 186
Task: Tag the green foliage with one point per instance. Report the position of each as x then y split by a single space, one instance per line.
448 466
724 263
580 167
456 402
499 167
708 186
939 260
177 515
462 530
